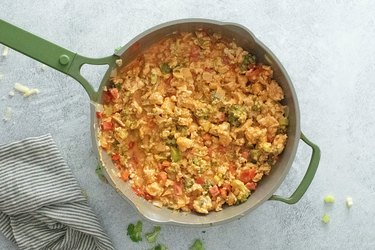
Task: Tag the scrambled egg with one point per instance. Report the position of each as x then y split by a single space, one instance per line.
193 123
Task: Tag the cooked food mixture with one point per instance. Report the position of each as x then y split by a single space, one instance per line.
194 122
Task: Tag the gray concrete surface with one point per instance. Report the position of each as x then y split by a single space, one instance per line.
326 46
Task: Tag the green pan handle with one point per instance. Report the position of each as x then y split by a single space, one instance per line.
61 59
307 179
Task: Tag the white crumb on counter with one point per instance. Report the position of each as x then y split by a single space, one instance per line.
8 113
1 77
43 66
31 92
11 93
21 88
5 51
349 202
26 91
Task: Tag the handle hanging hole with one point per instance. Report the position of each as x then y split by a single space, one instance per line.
94 74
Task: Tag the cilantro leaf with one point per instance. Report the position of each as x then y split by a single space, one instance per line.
198 245
160 247
151 237
135 231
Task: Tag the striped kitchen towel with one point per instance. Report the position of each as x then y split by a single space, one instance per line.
41 204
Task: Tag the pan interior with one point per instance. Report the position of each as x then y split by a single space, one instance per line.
268 185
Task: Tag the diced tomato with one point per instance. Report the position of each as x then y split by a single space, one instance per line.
194 50
107 97
162 176
152 125
206 137
214 191
209 152
170 91
99 115
125 175
221 149
138 191
254 72
168 80
118 165
131 144
147 196
232 169
189 154
114 93
191 204
251 185
252 173
206 158
194 53
134 159
177 188
227 186
225 59
107 125
247 175
245 154
224 192
219 117
115 157
270 138
199 180
166 164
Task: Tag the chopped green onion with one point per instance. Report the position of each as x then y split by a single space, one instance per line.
283 121
247 59
118 87
171 141
215 96
175 154
165 69
329 199
254 154
99 172
349 202
151 237
206 186
5 51
196 161
326 218
153 78
188 182
236 115
202 113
